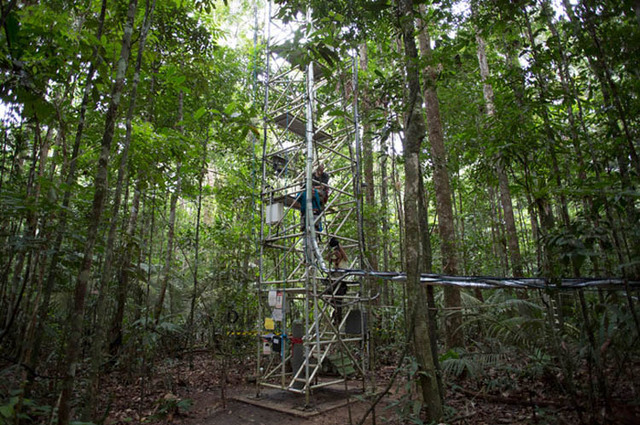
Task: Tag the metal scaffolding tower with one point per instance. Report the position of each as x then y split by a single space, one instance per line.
312 318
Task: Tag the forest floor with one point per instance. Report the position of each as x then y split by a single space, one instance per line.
190 392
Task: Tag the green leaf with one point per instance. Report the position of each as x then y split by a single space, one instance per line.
12 27
451 354
7 411
377 6
199 113
178 79
230 108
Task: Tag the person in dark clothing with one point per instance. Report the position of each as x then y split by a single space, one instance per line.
321 182
338 288
337 256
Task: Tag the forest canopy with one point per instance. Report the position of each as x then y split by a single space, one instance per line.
499 138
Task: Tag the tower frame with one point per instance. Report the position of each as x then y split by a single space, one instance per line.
312 317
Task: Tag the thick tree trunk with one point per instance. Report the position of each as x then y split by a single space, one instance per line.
414 134
444 208
101 187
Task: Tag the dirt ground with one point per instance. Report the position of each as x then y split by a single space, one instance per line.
208 410
191 393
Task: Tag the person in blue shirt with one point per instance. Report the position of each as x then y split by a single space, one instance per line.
316 205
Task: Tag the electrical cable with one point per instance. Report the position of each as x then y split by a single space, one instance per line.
492 282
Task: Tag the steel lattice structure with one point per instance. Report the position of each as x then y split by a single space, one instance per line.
312 319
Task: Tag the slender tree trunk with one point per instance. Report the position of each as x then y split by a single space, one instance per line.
367 151
608 86
414 134
576 123
590 21
101 187
384 213
550 134
620 125
148 242
444 208
3 156
115 339
122 289
427 267
24 252
541 215
99 337
166 271
399 206
196 260
41 266
52 273
498 240
503 181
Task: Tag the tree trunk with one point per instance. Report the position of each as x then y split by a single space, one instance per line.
115 336
171 229
384 213
99 337
100 194
371 224
444 208
196 260
20 282
399 206
54 263
414 128
607 85
550 134
427 267
503 180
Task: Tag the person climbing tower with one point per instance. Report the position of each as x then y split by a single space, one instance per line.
337 257
316 205
320 183
337 288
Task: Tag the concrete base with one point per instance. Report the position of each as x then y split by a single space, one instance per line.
322 400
